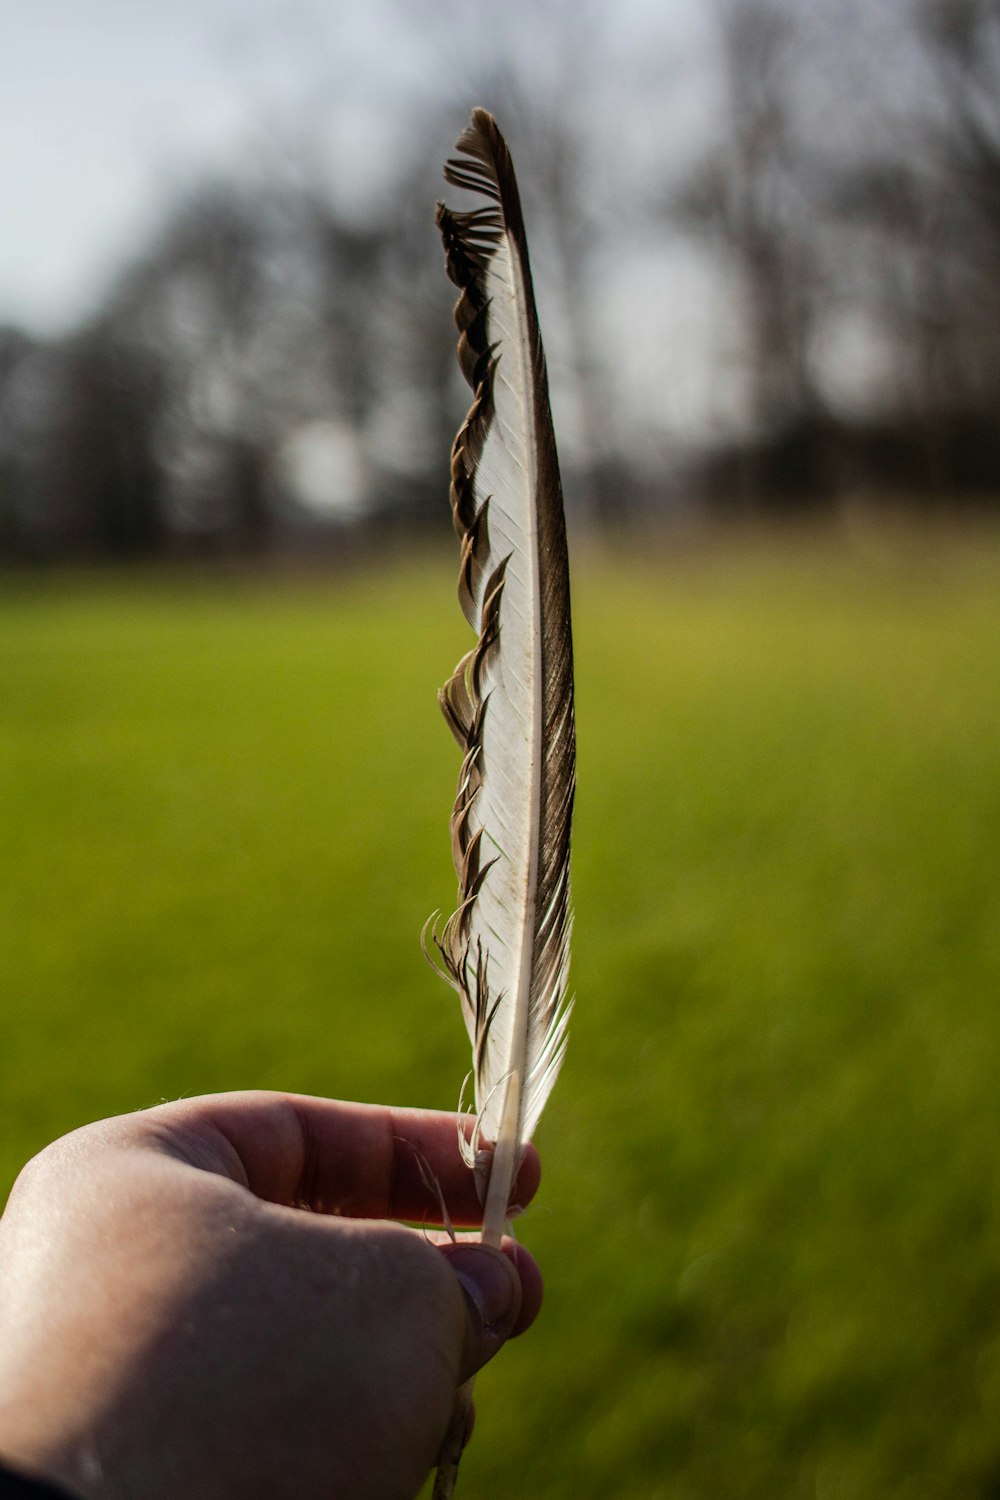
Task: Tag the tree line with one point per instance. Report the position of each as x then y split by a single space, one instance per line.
277 368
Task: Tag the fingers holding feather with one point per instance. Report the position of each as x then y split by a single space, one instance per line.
363 1161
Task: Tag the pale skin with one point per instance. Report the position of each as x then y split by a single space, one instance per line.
212 1299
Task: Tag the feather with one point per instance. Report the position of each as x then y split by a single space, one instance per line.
510 700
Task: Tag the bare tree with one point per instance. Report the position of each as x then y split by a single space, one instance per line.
15 539
750 194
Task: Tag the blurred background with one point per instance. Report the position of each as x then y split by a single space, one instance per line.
766 237
766 241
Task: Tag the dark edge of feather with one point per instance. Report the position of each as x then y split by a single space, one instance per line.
469 238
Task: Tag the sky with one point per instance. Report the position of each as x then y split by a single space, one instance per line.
103 107
108 107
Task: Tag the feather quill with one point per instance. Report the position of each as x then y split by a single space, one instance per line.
509 701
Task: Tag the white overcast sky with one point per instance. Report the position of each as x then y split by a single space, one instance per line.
108 105
104 105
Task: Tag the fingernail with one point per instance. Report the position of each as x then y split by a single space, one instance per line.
490 1281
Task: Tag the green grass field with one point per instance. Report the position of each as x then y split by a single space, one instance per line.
770 1220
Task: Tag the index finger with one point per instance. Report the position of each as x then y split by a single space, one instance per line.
361 1160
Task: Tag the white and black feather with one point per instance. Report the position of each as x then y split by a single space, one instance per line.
510 699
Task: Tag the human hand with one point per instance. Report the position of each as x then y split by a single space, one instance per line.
173 1322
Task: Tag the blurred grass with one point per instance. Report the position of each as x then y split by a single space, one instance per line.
771 1219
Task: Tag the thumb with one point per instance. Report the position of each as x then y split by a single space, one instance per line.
492 1290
